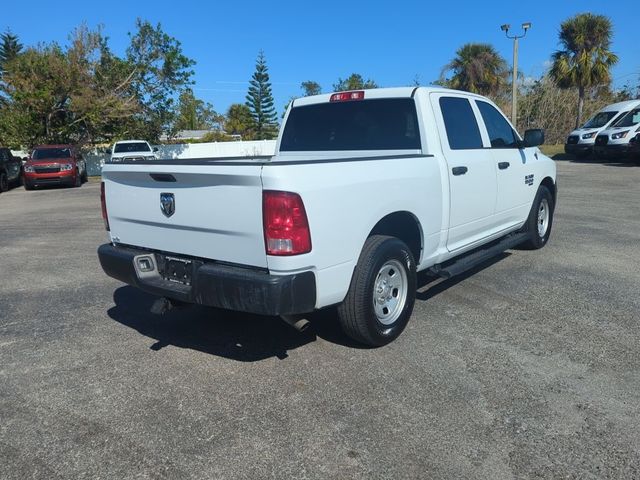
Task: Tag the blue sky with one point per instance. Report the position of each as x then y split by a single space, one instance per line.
390 43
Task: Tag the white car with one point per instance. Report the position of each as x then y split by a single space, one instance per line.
132 150
614 141
581 141
366 188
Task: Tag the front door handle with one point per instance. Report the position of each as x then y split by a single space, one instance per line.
459 170
503 165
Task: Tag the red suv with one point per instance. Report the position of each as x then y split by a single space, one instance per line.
54 165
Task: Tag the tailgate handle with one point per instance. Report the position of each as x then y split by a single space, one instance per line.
162 177
503 165
459 170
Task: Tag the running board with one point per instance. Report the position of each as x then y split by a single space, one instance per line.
468 261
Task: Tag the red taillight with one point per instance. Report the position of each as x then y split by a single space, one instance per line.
286 229
103 203
347 96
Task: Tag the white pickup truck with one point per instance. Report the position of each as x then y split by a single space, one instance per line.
366 188
132 150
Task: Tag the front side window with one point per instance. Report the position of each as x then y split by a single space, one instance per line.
460 123
500 132
377 124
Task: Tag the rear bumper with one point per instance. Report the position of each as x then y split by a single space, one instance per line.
231 287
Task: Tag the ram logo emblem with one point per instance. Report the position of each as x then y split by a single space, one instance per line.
167 203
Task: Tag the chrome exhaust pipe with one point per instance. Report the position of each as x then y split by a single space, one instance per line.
297 322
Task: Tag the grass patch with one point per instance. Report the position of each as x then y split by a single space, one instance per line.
551 150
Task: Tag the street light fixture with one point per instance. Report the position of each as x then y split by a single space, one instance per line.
514 90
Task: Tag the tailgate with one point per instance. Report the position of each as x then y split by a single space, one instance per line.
211 211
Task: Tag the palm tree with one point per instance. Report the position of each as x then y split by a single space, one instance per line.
585 59
477 68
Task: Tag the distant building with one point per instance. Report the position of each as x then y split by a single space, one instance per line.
194 135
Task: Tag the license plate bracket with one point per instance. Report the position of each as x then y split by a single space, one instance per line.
177 270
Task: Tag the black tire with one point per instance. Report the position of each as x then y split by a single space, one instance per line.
18 181
4 182
85 176
27 185
536 239
78 182
356 313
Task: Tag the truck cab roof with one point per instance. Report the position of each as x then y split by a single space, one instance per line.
373 93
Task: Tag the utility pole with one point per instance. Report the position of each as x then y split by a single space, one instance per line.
514 77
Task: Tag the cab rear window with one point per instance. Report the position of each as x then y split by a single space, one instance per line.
377 124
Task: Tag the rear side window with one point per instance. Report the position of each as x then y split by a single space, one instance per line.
379 124
460 122
500 132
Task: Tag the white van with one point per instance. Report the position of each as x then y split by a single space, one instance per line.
614 141
581 141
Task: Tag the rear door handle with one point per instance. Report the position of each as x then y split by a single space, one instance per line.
503 165
459 170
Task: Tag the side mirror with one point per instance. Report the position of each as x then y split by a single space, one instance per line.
533 137
155 149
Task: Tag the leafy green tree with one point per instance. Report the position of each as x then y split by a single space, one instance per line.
585 58
159 71
260 101
354 82
195 114
476 68
10 47
311 88
308 88
239 121
78 95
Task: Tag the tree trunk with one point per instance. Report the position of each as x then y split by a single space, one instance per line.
580 106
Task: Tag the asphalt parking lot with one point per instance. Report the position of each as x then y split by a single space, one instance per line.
526 368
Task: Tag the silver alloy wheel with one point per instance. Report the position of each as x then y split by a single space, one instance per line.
543 218
390 291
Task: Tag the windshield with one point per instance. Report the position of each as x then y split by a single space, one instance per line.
381 124
42 153
600 120
630 119
131 147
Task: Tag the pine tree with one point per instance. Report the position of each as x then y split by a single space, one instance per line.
9 48
260 101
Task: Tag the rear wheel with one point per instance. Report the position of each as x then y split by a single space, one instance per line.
540 219
85 176
78 182
4 182
382 292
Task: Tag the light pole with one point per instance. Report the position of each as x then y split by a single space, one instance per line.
514 83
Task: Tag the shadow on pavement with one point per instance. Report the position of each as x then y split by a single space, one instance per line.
235 335
241 336
609 162
430 286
